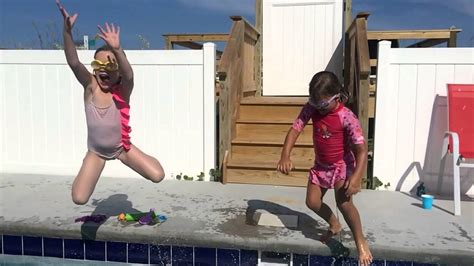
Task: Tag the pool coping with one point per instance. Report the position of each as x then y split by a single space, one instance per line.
177 233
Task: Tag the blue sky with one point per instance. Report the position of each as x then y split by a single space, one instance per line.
152 18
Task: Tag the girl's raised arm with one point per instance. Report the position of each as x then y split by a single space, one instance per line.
79 70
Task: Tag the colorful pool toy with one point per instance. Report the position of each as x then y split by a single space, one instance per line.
144 218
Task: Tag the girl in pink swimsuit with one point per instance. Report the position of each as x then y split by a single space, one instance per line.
340 157
106 98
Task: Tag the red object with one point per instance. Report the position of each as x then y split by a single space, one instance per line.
461 117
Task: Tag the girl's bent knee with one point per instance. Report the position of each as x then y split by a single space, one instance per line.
344 205
79 199
312 205
157 177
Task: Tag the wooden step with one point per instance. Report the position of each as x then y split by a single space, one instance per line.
271 153
269 112
373 62
252 163
262 170
271 108
264 100
270 132
269 143
266 177
261 129
268 122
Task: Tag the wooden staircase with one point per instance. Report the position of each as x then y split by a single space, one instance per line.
252 128
261 128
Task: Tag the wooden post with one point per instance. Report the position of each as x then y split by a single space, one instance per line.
357 70
168 45
258 47
224 120
452 39
224 167
363 104
364 78
364 73
350 73
230 72
348 13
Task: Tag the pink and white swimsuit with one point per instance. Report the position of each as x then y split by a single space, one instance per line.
333 135
107 128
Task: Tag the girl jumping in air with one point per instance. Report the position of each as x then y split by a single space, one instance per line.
106 100
340 157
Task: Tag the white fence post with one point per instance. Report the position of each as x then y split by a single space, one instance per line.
383 100
3 93
209 52
86 42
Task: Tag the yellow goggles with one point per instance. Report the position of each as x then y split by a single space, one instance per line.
108 66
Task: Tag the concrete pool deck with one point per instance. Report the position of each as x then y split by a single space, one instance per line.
209 214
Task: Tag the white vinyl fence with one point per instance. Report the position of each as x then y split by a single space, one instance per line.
43 121
300 38
411 114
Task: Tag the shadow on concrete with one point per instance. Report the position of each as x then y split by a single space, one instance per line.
421 206
306 224
111 206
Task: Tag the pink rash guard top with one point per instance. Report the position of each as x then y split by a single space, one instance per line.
334 134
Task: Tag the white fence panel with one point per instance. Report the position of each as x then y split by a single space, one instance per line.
300 38
411 114
172 111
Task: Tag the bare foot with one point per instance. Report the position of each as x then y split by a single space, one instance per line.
332 231
365 257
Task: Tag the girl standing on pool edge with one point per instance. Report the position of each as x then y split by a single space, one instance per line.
106 98
337 136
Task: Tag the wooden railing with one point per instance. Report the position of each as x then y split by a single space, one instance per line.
357 69
428 38
194 41
236 75
190 40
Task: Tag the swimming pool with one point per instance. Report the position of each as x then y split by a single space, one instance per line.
34 250
33 261
210 224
